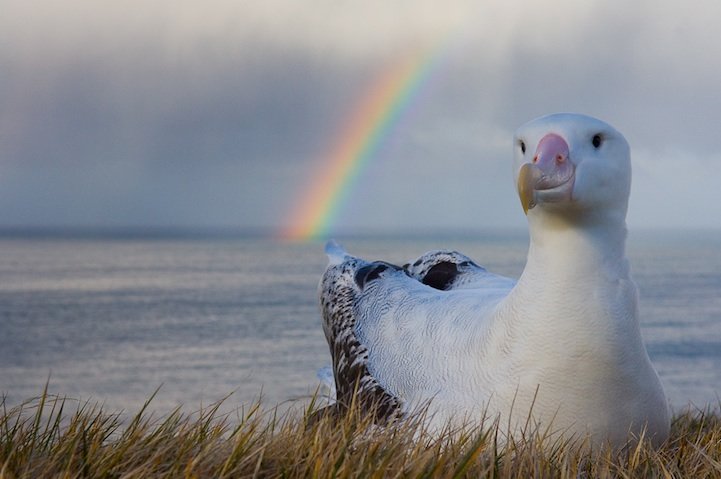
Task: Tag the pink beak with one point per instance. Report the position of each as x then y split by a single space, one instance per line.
549 177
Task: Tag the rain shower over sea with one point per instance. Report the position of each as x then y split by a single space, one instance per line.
110 318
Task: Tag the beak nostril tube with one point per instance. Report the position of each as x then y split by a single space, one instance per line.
551 150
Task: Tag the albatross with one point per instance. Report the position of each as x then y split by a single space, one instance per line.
559 348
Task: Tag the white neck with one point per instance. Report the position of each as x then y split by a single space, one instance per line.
565 249
576 281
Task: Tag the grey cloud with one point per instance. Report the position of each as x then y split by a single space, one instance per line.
188 115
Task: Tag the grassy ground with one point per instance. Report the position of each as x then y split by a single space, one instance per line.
49 437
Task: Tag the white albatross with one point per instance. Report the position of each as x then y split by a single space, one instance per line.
561 346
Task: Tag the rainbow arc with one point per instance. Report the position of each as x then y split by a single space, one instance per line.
373 121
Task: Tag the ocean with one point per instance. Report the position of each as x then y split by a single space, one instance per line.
110 319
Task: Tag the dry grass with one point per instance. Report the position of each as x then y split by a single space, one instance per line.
41 438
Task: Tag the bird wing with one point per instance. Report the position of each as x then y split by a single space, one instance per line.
394 339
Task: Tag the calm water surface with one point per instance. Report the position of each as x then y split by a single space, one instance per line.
113 319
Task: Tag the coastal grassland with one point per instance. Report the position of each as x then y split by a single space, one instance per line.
55 437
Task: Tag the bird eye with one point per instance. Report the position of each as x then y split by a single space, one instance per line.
596 141
523 146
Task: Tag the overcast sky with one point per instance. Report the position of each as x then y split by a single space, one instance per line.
217 113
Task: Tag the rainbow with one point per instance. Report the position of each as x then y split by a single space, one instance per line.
373 121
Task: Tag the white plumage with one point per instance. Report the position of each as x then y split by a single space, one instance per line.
562 345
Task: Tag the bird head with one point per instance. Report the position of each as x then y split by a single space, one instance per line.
571 164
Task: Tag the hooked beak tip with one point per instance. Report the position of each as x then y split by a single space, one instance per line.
526 183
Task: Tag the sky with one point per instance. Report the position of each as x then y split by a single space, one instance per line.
221 113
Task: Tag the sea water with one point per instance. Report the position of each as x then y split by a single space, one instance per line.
111 319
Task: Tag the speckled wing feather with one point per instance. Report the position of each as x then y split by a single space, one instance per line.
389 329
447 270
339 290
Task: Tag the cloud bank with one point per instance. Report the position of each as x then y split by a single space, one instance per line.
218 113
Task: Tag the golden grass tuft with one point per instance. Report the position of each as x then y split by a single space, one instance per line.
42 438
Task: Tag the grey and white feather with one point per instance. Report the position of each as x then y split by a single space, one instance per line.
340 289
